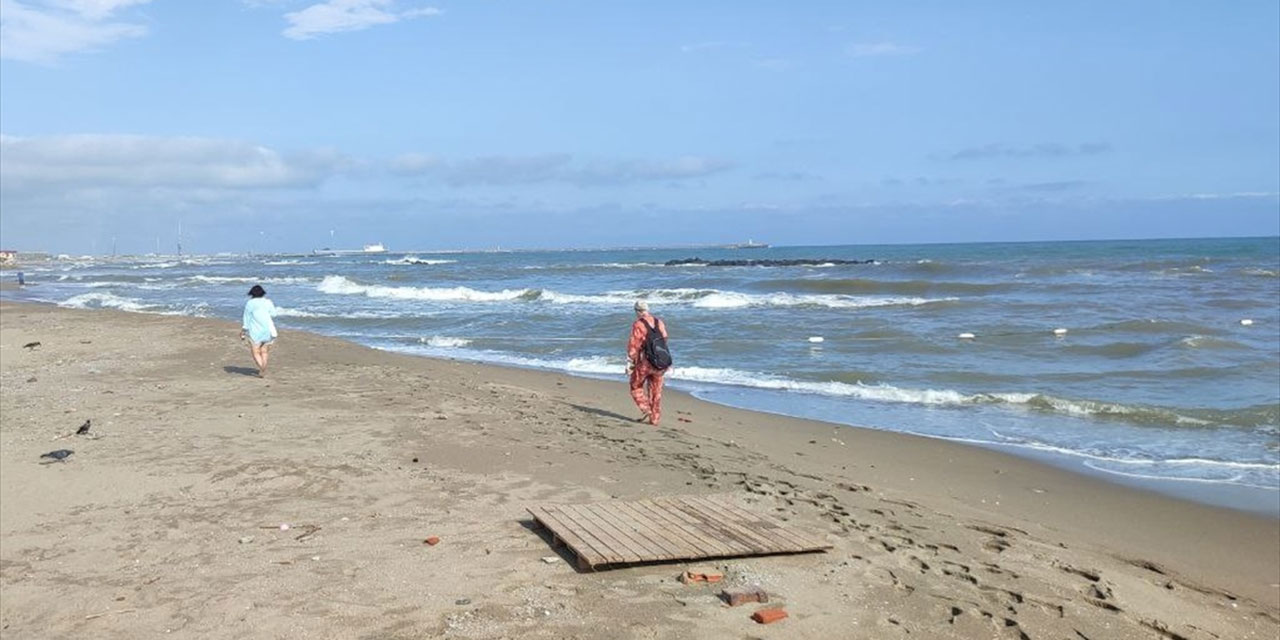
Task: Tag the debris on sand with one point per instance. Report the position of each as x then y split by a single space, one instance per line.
769 616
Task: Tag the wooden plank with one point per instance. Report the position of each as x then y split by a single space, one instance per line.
620 550
750 537
559 531
726 547
639 530
705 546
586 554
718 527
673 534
601 545
639 543
601 551
678 528
643 543
622 545
767 523
744 541
657 531
754 522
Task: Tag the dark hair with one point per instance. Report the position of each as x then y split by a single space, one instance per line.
257 291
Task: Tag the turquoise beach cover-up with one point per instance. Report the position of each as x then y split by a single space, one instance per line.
257 320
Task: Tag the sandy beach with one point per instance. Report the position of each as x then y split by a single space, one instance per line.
167 518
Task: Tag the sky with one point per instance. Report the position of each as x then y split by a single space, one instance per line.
282 125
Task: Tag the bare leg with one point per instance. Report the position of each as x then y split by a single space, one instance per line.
253 351
266 356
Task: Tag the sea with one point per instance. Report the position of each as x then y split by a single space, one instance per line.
1153 363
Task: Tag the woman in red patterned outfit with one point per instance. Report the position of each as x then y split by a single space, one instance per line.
642 373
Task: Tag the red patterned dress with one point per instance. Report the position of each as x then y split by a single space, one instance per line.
646 382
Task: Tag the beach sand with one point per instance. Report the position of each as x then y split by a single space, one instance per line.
166 519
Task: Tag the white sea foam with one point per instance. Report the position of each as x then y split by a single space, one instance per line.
868 392
1266 273
621 299
340 285
100 300
445 342
406 260
1108 463
735 300
281 263
598 265
190 262
103 301
298 313
243 279
700 298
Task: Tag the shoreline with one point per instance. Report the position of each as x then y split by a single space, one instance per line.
190 440
1249 499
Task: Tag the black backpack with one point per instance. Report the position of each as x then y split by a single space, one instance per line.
655 348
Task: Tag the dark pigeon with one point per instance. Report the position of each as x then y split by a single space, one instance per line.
30 345
84 428
59 455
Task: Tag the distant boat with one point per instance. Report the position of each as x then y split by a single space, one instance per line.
376 247
749 244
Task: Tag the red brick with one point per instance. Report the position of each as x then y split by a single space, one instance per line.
740 597
701 574
768 616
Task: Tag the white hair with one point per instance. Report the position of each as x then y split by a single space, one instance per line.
641 305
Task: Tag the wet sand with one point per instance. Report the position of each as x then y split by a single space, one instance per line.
166 519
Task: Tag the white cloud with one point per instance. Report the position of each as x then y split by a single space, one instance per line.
336 16
554 167
72 162
44 31
874 49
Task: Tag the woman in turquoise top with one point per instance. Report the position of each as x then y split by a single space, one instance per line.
258 327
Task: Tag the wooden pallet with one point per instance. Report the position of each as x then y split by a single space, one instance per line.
667 529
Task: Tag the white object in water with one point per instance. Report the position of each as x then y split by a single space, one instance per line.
1059 332
966 336
816 338
1246 322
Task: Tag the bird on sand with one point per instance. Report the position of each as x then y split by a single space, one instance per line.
59 455
84 428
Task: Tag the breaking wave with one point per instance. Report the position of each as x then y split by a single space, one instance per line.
700 298
100 300
341 285
406 260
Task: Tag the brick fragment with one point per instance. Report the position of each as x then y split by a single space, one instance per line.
701 574
738 597
432 540
769 616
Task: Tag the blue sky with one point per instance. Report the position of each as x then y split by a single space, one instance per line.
265 124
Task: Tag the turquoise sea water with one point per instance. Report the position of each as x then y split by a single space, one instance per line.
1167 373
